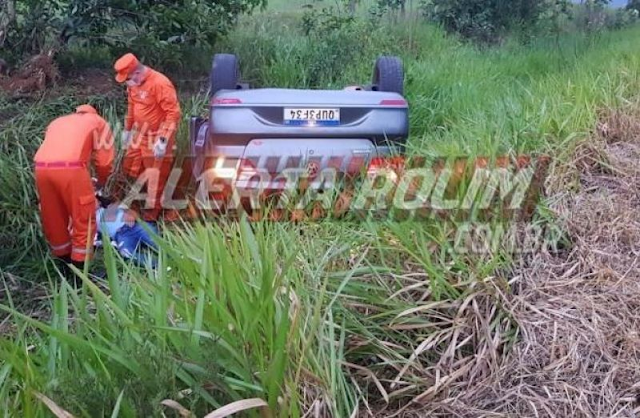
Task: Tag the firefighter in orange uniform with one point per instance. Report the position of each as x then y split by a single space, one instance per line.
151 123
64 183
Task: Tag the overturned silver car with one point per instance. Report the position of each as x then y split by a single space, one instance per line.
255 138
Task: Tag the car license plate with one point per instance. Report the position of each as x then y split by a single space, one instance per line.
311 117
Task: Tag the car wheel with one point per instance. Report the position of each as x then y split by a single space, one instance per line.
225 73
388 75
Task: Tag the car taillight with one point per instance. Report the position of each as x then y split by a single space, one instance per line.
226 101
393 165
376 164
393 102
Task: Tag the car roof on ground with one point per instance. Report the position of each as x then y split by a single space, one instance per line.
280 96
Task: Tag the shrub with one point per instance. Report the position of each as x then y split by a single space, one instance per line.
140 26
482 20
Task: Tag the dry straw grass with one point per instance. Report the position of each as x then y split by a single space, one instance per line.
578 354
464 346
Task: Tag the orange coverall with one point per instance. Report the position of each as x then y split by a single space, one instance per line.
63 180
153 112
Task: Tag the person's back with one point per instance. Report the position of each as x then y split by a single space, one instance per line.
73 138
64 184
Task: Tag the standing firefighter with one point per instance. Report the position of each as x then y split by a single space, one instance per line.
150 128
64 184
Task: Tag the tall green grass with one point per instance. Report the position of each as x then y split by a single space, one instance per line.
328 315
235 311
463 100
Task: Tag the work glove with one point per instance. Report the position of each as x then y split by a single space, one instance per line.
97 240
160 147
126 139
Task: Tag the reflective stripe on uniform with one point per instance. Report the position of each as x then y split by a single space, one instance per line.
80 251
60 247
60 164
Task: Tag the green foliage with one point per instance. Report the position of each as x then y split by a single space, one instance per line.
29 24
277 310
325 49
593 16
633 5
495 20
242 316
80 57
555 17
621 18
485 21
391 5
327 20
142 26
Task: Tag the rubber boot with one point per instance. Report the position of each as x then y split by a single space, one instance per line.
80 266
64 263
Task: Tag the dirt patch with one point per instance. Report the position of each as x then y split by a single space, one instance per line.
93 82
31 299
35 75
39 77
578 353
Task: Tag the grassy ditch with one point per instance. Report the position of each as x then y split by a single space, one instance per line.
338 317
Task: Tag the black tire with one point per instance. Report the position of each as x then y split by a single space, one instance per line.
388 75
225 73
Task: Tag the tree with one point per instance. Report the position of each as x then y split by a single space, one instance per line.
7 19
352 6
490 20
393 6
145 24
555 16
486 20
634 5
595 14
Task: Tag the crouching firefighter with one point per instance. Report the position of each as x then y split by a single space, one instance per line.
64 184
